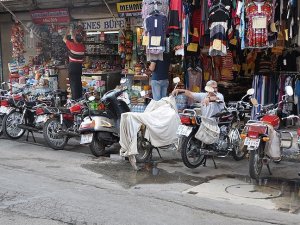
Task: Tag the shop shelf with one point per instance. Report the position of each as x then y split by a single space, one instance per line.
99 43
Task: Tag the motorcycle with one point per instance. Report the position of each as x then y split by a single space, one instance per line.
103 131
25 115
65 122
260 134
226 135
106 129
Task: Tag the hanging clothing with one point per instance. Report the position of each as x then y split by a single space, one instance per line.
258 13
175 14
227 65
148 7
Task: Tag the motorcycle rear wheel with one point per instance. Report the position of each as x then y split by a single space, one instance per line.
51 136
10 125
97 148
255 162
190 148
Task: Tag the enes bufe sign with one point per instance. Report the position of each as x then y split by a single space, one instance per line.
108 24
129 8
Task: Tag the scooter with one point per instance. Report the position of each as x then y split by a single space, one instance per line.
260 134
102 131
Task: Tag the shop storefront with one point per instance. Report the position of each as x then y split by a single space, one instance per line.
239 43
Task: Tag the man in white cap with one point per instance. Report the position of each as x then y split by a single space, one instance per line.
210 100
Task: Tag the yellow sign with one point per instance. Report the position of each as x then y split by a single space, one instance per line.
192 47
217 44
126 7
145 40
233 41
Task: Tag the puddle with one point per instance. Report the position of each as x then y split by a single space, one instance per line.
123 173
271 193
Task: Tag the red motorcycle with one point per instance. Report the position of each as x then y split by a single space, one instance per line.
264 142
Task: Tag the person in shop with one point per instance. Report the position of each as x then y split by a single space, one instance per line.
160 76
76 51
210 106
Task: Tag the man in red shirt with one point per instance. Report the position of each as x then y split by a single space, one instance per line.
76 55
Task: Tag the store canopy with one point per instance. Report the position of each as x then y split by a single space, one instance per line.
28 5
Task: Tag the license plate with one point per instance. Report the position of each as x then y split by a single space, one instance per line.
86 138
41 119
184 130
252 142
3 109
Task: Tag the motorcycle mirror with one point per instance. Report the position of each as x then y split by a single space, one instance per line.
208 89
250 91
143 93
123 80
92 98
289 90
254 102
176 80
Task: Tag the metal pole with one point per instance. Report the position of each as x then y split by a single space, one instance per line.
16 18
112 14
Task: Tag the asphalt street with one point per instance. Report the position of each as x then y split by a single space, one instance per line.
41 186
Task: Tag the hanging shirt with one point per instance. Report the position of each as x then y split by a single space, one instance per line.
257 35
156 25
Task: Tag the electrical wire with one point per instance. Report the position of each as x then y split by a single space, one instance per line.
16 19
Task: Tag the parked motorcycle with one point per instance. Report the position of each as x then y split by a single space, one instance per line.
103 131
227 137
260 134
65 122
25 115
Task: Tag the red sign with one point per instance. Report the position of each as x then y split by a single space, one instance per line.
50 16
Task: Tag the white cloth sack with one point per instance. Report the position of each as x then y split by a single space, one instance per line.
161 120
272 147
209 131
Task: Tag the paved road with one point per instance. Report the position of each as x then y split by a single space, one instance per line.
42 186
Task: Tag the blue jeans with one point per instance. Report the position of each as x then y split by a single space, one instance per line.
159 89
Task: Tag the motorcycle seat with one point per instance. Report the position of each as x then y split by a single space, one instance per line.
221 114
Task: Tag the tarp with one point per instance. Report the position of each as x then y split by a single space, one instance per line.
161 120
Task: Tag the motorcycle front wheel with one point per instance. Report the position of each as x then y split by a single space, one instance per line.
190 151
256 162
238 149
10 125
51 134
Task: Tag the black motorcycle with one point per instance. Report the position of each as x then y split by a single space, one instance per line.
226 135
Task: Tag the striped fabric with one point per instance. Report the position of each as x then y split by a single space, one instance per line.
76 51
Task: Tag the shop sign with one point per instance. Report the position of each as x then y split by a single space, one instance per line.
50 16
127 9
104 24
